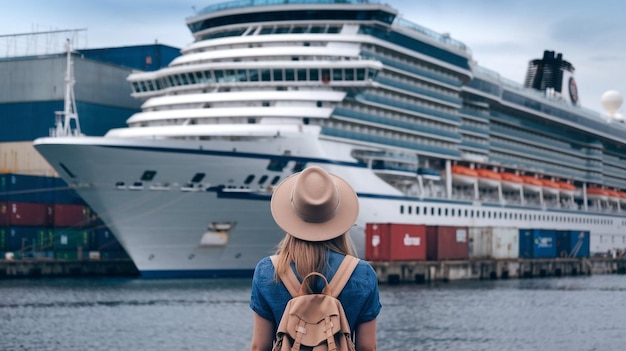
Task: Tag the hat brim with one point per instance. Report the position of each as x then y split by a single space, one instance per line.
289 221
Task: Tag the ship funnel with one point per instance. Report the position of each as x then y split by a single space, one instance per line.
554 76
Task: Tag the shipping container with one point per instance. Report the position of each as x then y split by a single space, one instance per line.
23 214
67 215
395 242
537 243
25 188
22 158
447 243
67 254
493 242
3 239
28 239
572 243
72 239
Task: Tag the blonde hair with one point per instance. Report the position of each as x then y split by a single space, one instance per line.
309 256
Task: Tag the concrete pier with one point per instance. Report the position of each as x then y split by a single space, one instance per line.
31 268
425 271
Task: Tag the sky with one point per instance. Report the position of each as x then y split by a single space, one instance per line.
503 35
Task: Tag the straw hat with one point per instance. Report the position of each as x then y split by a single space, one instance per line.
314 205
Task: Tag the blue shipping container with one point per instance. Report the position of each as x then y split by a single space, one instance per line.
28 238
537 243
25 188
572 243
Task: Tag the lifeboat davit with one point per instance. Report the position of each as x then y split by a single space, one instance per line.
488 178
595 193
511 181
550 187
532 184
622 197
567 188
463 175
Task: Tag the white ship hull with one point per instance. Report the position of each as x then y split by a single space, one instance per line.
161 228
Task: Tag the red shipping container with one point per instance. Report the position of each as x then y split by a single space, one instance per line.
395 242
23 214
447 243
65 215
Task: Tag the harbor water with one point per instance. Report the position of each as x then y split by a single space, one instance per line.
568 313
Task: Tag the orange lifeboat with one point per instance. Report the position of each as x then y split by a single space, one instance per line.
511 181
567 188
596 193
463 175
613 195
488 178
532 184
550 187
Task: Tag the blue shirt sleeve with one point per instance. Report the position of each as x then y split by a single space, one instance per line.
258 303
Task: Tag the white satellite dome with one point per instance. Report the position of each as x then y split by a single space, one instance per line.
611 101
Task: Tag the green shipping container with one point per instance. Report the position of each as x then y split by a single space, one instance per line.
70 239
3 240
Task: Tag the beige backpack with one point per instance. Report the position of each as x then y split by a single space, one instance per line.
315 322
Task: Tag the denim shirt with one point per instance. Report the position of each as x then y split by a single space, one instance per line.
360 297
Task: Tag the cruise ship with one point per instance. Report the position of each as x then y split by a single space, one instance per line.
423 134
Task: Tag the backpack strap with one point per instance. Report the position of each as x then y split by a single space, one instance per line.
336 285
343 274
289 279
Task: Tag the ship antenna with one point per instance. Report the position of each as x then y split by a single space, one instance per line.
63 124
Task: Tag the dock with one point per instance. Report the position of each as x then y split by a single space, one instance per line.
403 272
35 268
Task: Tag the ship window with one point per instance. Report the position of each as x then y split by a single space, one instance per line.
254 75
425 210
242 75
360 74
278 75
275 180
401 209
263 179
337 74
276 165
219 76
417 210
249 179
197 178
148 176
314 75
446 212
325 75
171 80
266 75
298 166
183 78
410 209
251 120
302 75
135 87
432 211
289 75
349 74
